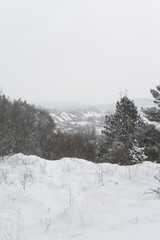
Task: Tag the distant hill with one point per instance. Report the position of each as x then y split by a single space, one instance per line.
139 102
78 107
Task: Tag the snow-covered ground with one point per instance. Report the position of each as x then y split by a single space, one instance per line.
76 199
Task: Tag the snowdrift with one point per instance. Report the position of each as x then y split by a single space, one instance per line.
76 199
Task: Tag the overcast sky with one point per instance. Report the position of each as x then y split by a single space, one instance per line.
81 51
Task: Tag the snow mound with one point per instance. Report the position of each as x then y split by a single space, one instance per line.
76 199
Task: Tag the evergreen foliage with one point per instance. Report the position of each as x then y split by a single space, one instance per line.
151 133
153 114
119 132
148 136
137 153
156 95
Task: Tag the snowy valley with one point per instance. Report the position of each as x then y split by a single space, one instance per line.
72 118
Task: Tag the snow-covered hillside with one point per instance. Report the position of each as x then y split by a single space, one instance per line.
76 199
73 122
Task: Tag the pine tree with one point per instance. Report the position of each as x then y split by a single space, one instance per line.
118 133
126 119
153 114
152 140
156 95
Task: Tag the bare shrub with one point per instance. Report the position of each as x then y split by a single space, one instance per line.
157 190
46 222
3 175
27 176
43 169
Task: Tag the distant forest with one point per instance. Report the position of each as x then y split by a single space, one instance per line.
126 138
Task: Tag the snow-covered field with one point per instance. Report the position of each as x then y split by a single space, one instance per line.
76 199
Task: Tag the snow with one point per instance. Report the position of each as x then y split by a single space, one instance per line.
156 124
92 114
76 199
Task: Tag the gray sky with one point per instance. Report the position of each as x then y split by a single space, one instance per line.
86 51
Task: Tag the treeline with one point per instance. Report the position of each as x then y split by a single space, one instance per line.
23 128
125 139
30 130
75 145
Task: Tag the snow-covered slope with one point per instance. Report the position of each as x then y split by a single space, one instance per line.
76 199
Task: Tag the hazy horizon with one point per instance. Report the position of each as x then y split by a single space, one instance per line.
86 51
